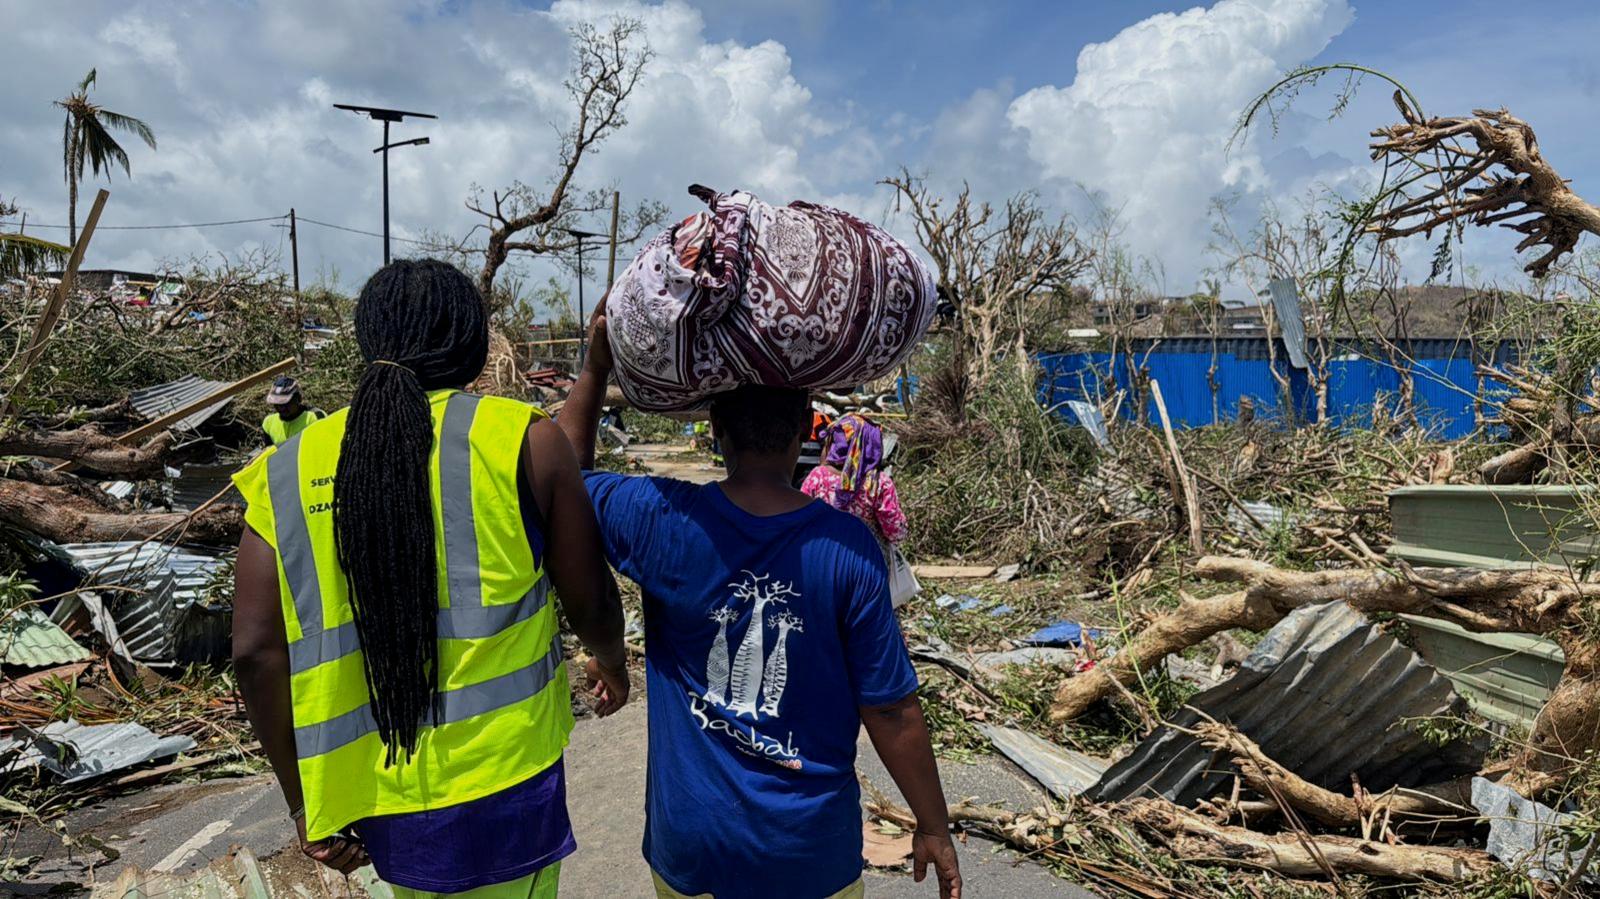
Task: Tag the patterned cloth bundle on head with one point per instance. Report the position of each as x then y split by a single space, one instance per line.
855 447
799 296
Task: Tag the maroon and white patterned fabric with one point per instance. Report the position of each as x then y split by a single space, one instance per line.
749 293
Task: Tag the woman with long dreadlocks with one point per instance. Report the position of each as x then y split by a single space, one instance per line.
394 640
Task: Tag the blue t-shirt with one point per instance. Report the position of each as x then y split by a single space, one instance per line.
763 637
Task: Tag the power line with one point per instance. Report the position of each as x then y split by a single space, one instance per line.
251 221
269 218
420 243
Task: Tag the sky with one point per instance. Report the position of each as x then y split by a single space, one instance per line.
1124 106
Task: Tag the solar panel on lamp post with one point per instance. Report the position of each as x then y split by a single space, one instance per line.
387 116
583 326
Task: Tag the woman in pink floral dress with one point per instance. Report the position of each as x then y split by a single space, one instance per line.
850 479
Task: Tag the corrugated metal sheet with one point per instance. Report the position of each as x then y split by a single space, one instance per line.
1292 324
75 752
1324 694
154 402
1092 420
1507 677
29 638
1491 526
195 484
1064 772
147 565
165 621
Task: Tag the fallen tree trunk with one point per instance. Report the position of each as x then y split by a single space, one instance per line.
1192 837
1550 602
1260 773
61 516
93 448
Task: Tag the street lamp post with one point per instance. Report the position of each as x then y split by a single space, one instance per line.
386 116
583 324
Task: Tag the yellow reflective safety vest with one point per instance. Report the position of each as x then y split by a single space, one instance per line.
504 703
279 430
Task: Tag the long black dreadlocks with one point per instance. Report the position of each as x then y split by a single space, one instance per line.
421 325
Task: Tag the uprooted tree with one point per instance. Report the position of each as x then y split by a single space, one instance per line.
1003 269
607 67
1450 171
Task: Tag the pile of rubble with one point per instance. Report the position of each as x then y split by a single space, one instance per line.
119 525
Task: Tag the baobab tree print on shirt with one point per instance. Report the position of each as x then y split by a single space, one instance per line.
777 672
751 683
749 663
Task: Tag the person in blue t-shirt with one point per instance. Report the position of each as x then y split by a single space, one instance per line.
769 642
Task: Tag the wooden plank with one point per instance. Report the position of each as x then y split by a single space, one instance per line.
166 421
953 571
52 309
1191 499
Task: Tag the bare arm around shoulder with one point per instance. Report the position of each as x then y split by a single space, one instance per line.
900 735
575 559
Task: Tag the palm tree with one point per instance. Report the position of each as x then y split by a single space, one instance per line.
24 253
86 137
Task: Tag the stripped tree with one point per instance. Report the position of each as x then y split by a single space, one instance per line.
606 68
1004 269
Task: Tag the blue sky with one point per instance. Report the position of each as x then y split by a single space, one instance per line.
794 99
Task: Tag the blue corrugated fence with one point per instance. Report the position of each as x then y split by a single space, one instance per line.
1443 375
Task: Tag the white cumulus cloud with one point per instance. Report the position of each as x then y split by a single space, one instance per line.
1146 120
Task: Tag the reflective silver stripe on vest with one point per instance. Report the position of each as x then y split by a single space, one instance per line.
294 540
455 495
454 624
454 705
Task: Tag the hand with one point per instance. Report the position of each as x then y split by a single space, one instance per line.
938 849
341 853
599 358
609 686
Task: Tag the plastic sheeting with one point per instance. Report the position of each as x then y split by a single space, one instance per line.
1325 694
1524 833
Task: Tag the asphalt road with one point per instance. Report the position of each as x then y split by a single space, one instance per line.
183 827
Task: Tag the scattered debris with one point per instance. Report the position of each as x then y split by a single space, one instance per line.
1063 633
1029 655
240 876
953 572
75 752
1007 572
963 603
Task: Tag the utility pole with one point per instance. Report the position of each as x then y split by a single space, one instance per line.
386 116
611 267
294 253
299 317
